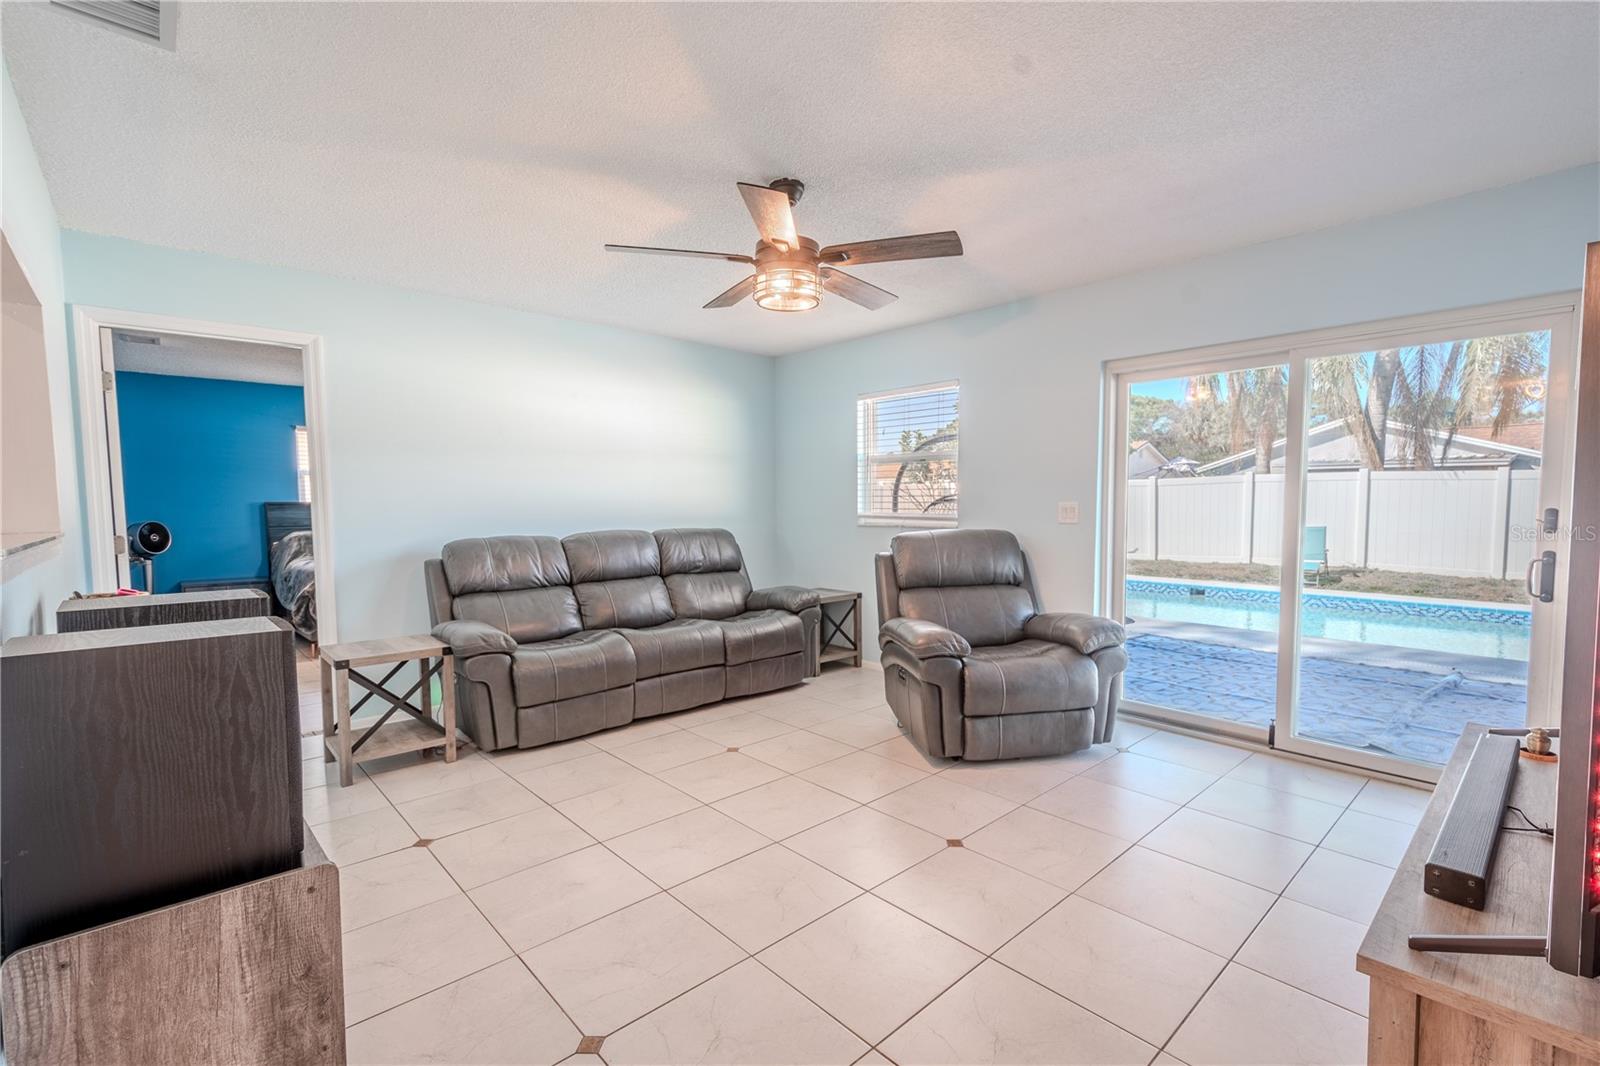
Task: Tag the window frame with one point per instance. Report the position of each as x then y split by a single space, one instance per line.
866 407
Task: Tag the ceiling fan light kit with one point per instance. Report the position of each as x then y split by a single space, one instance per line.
788 280
791 270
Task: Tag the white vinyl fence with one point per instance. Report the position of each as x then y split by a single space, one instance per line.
1469 523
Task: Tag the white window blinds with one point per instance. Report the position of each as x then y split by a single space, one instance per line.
906 456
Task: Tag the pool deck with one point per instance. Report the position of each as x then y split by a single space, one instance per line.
1394 701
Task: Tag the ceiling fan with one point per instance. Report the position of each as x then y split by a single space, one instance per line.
792 271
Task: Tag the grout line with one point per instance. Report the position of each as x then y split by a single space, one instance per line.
1297 988
858 891
1253 929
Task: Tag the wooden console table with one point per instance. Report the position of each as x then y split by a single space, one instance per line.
1496 1010
415 730
251 974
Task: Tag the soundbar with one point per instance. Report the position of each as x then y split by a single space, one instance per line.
1459 867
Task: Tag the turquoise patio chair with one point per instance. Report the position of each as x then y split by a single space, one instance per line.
1314 555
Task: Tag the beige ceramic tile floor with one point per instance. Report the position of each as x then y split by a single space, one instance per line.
824 894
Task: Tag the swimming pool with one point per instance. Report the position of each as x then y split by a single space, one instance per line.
1489 631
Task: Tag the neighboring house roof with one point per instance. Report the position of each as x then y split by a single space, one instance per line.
1525 435
1144 459
1331 445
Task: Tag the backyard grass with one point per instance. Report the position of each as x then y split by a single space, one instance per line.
1383 582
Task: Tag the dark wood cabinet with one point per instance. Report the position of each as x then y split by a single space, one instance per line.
167 608
143 766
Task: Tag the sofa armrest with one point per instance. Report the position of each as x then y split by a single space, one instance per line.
467 639
791 598
1086 632
923 640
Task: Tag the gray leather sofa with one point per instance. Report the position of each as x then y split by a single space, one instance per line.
972 667
558 638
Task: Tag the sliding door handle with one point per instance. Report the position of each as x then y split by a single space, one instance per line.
1544 566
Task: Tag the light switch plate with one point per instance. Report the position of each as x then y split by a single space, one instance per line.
1067 513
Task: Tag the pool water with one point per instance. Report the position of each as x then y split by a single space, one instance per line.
1488 631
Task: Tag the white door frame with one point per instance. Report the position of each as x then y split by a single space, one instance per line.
102 451
1557 312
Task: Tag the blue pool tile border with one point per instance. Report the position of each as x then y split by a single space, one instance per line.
1374 605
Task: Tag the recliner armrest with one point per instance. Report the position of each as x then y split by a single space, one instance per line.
1086 632
791 598
924 640
474 638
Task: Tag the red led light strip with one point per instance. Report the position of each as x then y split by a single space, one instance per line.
1594 803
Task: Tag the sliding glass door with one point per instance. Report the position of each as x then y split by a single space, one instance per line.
1328 546
1427 459
1201 572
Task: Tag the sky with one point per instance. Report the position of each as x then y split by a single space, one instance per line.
1176 389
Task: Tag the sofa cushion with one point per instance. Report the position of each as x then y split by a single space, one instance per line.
704 572
1027 676
519 585
610 554
672 648
719 595
571 666
500 564
984 614
631 602
940 558
526 614
616 577
761 635
697 551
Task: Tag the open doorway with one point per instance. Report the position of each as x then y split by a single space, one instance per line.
203 469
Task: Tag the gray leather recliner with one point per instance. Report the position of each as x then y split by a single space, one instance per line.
972 668
555 639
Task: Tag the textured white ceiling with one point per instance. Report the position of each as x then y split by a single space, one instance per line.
489 150
203 357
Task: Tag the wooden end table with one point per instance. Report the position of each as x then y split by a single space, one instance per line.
841 629
415 730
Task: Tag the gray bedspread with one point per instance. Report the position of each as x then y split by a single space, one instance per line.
294 579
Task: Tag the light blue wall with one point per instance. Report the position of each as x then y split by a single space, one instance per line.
447 418
1031 377
201 456
35 581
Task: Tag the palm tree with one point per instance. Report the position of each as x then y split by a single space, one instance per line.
1337 392
1429 390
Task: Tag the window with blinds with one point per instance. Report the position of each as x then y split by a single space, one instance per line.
906 456
302 462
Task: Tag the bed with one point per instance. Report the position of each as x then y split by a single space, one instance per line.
292 565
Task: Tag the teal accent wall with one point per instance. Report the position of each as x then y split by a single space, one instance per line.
201 456
447 418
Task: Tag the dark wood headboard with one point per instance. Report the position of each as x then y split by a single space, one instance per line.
285 518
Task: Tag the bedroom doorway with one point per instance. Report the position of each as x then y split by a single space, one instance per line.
204 462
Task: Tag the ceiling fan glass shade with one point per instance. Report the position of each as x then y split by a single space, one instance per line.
784 288
788 280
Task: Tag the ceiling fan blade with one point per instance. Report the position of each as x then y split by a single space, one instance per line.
888 249
735 294
774 217
855 290
731 257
